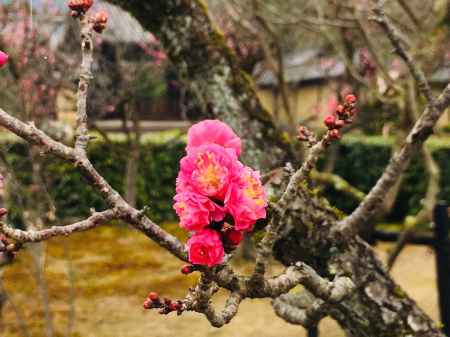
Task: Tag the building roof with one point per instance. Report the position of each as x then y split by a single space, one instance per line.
302 66
313 65
441 76
122 27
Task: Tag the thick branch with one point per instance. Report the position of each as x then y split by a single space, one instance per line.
273 228
338 183
301 273
302 309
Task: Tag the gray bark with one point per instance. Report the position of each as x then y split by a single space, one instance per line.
378 307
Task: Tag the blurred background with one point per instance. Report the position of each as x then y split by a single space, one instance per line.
304 57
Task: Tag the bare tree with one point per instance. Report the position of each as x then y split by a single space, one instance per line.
320 247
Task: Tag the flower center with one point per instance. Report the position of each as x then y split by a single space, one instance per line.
254 190
209 174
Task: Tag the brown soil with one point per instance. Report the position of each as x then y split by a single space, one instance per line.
115 268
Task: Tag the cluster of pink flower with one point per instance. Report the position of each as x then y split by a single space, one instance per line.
218 198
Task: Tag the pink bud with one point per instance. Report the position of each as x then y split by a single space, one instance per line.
334 134
3 212
153 297
330 121
350 98
187 269
3 58
340 109
339 124
234 237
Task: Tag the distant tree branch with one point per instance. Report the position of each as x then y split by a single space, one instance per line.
21 236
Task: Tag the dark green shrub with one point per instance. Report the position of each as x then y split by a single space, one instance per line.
361 161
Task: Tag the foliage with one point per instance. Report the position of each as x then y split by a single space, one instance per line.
156 180
362 160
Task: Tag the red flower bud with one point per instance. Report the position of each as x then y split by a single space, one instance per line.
167 301
330 121
101 17
80 5
340 109
100 20
187 269
350 98
3 212
339 124
148 304
174 306
334 134
234 237
3 58
154 297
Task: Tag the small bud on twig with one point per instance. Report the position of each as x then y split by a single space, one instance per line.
79 7
100 21
187 269
3 212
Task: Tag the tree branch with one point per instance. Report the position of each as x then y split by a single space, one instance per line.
87 50
93 221
394 37
35 136
338 183
303 309
273 228
397 165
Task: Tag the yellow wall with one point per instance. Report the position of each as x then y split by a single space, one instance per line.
307 102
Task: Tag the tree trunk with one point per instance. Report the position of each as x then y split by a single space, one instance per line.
378 307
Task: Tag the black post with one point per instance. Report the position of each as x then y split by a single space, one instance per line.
313 332
442 247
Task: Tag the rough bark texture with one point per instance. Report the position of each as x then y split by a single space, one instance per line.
378 307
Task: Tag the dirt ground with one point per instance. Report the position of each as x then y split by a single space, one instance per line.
115 268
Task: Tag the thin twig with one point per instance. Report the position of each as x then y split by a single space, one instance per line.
87 49
422 129
22 236
394 37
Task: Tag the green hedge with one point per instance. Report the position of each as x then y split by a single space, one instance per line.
360 161
156 181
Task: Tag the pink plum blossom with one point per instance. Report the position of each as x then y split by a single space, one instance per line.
205 248
215 132
247 201
218 198
208 170
3 58
196 211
